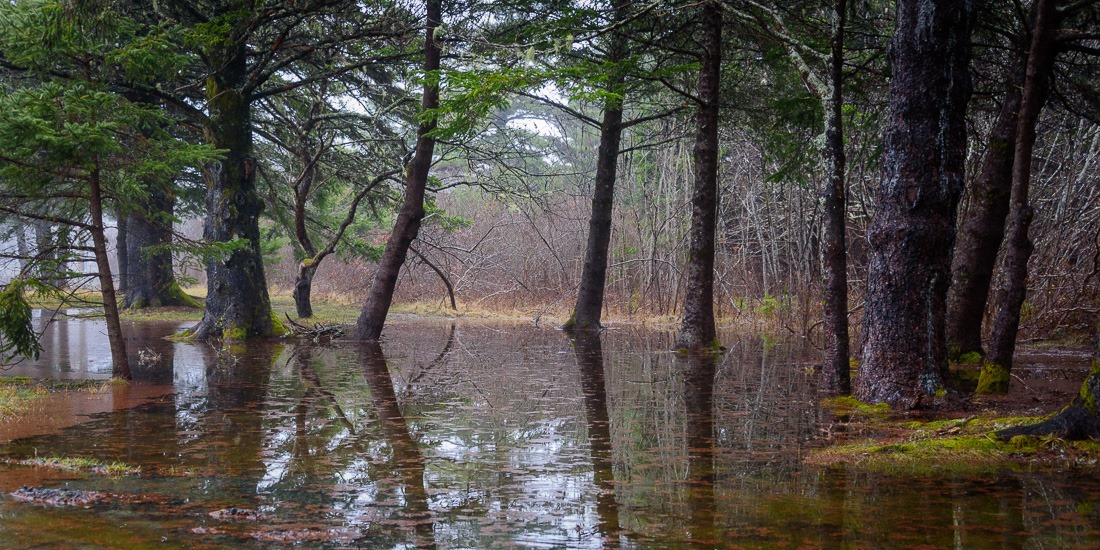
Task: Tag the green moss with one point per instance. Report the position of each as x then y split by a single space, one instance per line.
277 326
846 405
970 358
1088 398
234 332
993 379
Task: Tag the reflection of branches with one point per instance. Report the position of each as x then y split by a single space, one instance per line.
305 366
438 360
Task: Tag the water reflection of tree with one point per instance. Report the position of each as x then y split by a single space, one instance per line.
589 352
407 459
701 475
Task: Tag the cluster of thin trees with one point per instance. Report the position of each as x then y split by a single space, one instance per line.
710 151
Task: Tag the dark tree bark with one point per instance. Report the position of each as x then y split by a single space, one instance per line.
904 353
589 351
697 329
983 228
237 302
120 364
836 366
373 316
151 278
590 293
1013 284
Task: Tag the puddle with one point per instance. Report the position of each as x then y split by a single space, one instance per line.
492 435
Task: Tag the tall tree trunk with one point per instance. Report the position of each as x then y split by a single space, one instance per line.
151 276
1013 288
904 352
237 302
590 294
983 228
120 364
373 316
697 329
836 367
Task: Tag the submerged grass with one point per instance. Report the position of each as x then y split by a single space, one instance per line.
18 392
80 464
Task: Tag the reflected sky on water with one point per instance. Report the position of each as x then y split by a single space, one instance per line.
476 434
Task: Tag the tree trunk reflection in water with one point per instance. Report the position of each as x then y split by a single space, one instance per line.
237 382
589 352
406 453
699 374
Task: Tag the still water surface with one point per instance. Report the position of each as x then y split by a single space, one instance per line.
479 435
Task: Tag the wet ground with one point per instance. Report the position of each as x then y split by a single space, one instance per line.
477 435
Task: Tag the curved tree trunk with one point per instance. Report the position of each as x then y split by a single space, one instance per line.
836 367
1013 288
237 302
697 329
904 352
983 228
373 316
151 278
303 287
590 294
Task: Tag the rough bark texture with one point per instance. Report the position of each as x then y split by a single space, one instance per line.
697 329
590 293
836 368
120 364
237 302
983 228
910 239
303 289
589 351
150 277
1013 283
373 316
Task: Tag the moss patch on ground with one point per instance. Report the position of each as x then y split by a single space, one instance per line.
956 445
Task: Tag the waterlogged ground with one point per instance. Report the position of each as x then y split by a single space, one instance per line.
481 435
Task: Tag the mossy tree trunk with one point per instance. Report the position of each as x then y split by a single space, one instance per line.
1013 285
904 352
1080 420
150 277
237 302
405 230
697 330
